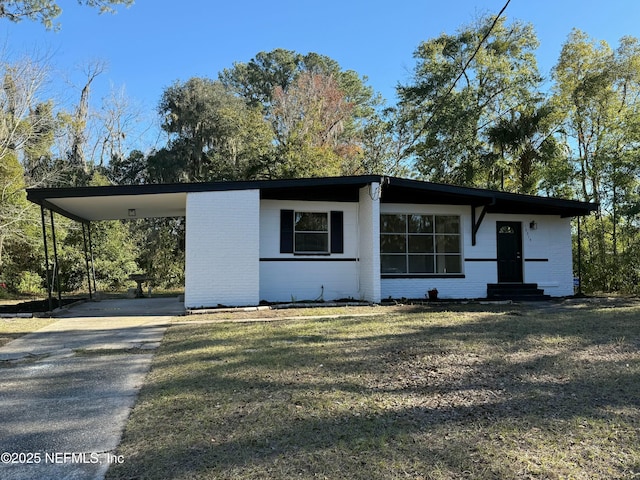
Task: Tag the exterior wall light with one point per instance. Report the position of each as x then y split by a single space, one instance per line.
132 212
533 225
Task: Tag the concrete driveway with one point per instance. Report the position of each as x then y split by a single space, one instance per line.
66 390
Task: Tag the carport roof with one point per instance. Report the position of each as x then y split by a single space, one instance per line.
169 200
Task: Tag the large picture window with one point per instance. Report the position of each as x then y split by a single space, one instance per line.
420 244
311 232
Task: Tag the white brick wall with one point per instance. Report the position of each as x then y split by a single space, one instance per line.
369 242
551 240
285 277
222 248
308 280
229 232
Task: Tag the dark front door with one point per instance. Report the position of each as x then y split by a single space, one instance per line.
509 240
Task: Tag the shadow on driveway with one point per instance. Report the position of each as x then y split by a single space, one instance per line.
66 390
125 307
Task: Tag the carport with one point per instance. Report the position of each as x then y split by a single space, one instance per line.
128 202
92 204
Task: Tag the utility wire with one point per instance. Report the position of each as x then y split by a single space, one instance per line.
464 69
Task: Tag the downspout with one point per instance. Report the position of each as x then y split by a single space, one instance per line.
46 257
56 265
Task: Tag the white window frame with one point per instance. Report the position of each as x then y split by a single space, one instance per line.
326 233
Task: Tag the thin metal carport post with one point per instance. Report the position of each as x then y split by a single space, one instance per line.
93 270
86 260
56 266
579 259
46 256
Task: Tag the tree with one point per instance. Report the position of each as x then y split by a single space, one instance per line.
449 121
526 143
309 118
214 131
78 125
161 249
26 135
599 89
256 80
112 127
46 11
296 93
383 142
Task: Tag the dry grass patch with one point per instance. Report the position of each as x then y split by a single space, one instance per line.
482 392
275 313
12 328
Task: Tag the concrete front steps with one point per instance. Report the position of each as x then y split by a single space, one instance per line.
516 291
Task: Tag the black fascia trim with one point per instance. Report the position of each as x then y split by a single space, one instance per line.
480 259
496 201
467 195
309 259
536 259
397 189
423 275
37 195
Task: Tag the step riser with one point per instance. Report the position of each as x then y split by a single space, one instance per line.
519 291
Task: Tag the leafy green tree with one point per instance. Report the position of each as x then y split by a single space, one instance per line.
114 251
383 142
215 132
256 80
599 89
526 143
130 170
46 11
317 111
463 84
161 250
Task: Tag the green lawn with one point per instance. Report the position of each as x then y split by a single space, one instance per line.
481 392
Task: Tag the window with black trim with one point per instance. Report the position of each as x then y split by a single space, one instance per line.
416 244
311 232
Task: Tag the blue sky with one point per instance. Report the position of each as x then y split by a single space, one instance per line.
156 42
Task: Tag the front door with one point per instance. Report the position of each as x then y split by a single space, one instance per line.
509 241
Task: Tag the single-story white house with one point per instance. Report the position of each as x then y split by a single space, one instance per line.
362 237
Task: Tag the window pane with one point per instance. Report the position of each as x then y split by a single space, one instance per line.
393 223
393 243
447 224
420 263
312 242
448 264
448 243
311 222
506 229
393 264
420 223
420 243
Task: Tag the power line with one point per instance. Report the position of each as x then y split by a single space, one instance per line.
464 69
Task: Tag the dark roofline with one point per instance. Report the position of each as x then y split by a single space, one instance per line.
393 189
37 195
495 199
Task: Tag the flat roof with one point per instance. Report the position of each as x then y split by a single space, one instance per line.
115 202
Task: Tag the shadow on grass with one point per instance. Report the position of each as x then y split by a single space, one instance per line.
351 399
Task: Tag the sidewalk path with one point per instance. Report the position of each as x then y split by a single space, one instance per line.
66 390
